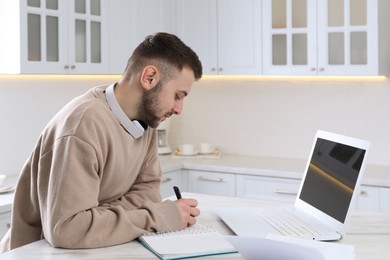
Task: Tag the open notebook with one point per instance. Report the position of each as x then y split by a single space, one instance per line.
194 241
327 192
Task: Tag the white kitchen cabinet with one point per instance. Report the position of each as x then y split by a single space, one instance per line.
213 183
54 37
373 198
5 220
324 37
130 22
174 178
226 34
267 188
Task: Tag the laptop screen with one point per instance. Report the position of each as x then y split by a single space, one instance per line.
331 177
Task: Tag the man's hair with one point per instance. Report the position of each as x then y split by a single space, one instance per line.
165 51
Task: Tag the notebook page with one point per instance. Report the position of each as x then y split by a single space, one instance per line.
193 240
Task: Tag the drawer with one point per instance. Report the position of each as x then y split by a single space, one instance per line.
170 179
267 188
213 183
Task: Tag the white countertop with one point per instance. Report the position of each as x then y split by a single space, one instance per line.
264 166
238 164
368 232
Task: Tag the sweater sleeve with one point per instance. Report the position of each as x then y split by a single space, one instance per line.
72 216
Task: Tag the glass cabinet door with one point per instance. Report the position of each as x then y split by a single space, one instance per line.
289 37
320 37
86 36
43 47
345 35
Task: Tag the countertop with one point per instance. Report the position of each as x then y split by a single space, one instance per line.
375 175
368 232
236 164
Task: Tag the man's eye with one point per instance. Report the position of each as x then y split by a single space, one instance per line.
179 96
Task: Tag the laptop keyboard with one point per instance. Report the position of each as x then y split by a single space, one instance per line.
288 223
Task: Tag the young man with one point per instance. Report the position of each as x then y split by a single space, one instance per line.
93 178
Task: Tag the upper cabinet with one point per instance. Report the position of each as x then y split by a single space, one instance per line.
54 36
235 37
321 37
226 34
130 22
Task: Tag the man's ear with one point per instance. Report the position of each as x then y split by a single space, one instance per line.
149 77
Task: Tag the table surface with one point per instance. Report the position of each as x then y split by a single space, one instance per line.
368 232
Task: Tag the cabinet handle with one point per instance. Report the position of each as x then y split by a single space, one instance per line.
213 69
322 69
286 192
210 179
220 69
166 180
66 67
363 193
72 67
312 69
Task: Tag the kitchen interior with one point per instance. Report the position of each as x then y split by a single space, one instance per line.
267 86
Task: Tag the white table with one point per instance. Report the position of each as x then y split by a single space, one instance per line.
369 232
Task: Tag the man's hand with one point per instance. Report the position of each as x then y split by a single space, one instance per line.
188 211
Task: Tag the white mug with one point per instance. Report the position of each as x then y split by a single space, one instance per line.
206 148
186 149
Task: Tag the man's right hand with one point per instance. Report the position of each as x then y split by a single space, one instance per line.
189 211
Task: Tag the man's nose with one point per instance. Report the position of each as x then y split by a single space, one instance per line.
178 107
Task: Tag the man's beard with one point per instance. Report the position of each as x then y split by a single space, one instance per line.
148 109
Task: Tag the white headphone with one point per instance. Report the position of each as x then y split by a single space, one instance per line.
133 127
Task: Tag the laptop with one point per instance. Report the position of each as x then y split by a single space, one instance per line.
326 195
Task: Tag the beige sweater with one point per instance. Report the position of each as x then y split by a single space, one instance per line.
88 183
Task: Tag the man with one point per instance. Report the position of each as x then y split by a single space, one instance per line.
93 178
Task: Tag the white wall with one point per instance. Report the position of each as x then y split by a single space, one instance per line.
279 117
267 117
28 102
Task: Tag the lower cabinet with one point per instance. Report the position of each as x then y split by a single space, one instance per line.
5 220
267 188
174 178
213 183
373 198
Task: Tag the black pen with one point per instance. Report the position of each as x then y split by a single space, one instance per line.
177 192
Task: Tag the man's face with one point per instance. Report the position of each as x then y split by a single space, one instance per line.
162 101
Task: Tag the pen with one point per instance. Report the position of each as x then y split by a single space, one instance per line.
177 192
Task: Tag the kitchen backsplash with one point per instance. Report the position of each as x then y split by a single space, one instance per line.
249 116
279 117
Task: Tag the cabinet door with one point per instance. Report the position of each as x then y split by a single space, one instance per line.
239 37
62 37
213 183
348 37
369 199
226 34
5 220
170 179
267 188
322 37
196 25
385 200
88 37
130 22
43 45
289 37
375 199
